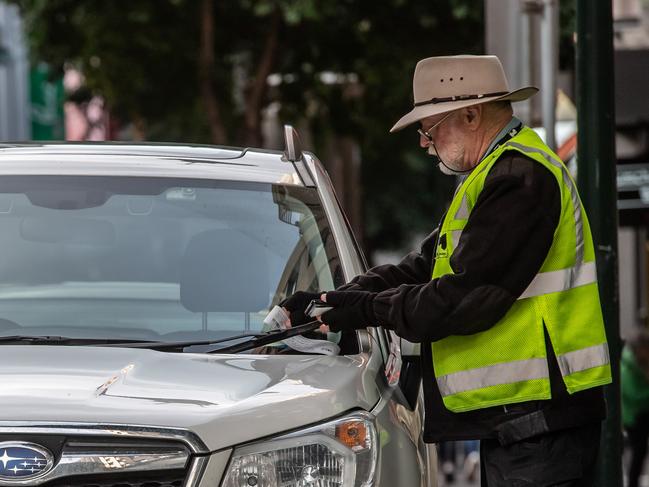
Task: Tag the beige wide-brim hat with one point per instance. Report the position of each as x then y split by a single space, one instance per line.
446 83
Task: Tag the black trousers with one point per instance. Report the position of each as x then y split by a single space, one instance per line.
563 458
638 436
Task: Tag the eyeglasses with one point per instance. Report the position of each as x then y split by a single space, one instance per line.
426 134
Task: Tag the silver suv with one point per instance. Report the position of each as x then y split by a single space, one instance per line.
134 283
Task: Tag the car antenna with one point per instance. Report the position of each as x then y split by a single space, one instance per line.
293 150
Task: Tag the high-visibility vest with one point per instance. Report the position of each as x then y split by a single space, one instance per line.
508 362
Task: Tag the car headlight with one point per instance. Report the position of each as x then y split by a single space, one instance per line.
342 453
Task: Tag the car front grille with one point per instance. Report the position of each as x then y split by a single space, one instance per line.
174 479
112 459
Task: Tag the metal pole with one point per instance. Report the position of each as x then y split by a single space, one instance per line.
597 184
533 10
549 67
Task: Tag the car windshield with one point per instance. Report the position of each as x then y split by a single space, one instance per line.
155 258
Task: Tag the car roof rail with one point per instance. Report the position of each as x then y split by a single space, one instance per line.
293 153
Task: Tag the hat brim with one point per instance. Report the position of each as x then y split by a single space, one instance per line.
425 111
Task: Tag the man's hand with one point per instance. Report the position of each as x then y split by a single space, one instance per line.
296 305
352 310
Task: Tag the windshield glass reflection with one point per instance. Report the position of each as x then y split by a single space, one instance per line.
155 258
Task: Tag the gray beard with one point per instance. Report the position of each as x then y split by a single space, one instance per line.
447 171
444 169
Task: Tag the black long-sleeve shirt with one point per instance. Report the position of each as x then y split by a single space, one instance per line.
501 249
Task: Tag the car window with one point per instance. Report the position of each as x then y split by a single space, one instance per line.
155 258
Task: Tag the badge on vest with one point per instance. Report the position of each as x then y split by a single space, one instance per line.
442 247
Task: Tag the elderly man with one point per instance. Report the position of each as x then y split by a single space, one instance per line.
503 294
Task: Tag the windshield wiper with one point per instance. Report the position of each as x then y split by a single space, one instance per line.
159 345
271 336
251 340
59 340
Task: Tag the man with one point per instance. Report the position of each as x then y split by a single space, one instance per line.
502 296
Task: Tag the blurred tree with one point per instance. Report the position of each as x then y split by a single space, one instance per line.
198 71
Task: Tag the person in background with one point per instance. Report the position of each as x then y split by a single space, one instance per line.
634 370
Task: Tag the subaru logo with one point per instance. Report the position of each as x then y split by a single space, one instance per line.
23 461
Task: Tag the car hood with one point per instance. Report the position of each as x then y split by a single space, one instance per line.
224 399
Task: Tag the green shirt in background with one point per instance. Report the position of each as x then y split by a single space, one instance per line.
635 388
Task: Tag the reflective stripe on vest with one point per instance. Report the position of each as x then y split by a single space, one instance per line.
584 359
493 375
463 211
561 280
455 237
522 370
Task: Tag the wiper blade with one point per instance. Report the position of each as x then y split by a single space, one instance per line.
251 340
269 337
159 345
59 340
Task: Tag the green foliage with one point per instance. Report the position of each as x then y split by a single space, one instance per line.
135 53
143 57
